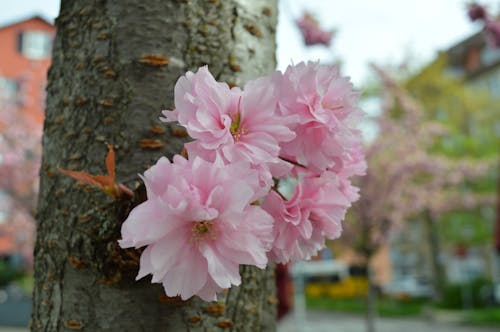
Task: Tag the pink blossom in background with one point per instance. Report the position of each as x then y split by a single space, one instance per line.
313 214
312 33
476 12
492 29
326 106
20 156
233 124
198 226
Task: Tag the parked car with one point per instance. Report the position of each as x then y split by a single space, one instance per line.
408 286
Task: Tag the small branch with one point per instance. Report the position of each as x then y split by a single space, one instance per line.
293 162
277 191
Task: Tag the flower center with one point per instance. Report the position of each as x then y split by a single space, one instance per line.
201 230
236 130
238 133
332 106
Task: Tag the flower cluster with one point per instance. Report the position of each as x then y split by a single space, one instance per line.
224 206
311 31
477 12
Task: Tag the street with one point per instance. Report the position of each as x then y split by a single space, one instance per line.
335 322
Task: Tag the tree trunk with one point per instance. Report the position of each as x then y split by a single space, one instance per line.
371 299
435 249
114 67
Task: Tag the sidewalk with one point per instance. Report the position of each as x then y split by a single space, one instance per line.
335 322
328 322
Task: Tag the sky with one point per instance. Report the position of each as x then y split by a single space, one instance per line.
381 31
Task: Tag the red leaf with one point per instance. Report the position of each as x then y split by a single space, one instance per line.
106 183
110 163
83 177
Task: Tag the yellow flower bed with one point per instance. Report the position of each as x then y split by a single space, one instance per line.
347 288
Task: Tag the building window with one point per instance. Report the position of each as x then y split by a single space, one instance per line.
490 56
35 45
8 90
494 84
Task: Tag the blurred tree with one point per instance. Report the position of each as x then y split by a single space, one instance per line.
114 67
405 179
20 154
470 113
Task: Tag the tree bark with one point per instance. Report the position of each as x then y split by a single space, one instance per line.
114 67
435 249
371 299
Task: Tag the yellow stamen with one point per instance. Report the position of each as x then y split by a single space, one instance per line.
200 230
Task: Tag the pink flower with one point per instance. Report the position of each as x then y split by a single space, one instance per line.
476 12
199 226
236 125
326 107
492 30
312 33
351 163
313 213
491 25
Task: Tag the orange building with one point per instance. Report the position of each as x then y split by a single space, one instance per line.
25 51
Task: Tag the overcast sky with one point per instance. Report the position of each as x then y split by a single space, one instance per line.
384 31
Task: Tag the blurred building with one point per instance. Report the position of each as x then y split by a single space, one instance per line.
467 237
476 62
25 48
25 56
479 65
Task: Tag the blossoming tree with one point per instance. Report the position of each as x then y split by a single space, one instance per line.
405 180
20 152
214 216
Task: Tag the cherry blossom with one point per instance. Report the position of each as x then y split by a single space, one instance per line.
313 214
199 226
202 218
326 106
234 124
477 12
312 33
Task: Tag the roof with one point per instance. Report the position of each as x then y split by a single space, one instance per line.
18 21
458 52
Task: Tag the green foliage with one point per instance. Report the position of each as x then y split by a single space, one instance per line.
8 274
26 282
470 115
466 227
386 307
453 299
483 316
457 144
469 112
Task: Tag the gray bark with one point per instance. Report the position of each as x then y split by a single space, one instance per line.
103 88
371 300
438 272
